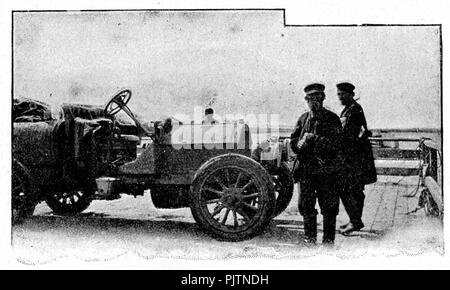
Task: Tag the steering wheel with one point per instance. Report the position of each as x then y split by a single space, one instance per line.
118 102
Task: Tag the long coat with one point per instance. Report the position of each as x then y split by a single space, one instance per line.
320 159
358 161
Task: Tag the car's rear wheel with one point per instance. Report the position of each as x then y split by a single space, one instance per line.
23 199
232 197
70 202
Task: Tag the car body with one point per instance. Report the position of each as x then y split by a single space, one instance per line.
87 153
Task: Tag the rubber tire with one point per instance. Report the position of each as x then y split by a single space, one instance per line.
284 198
21 212
70 209
258 173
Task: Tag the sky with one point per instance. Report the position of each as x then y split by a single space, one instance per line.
240 61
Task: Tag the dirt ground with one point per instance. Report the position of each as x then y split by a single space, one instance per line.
110 229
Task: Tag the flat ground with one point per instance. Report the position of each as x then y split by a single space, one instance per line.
110 229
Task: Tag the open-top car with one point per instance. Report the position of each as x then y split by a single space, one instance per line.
87 153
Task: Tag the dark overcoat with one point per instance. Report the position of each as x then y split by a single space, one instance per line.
358 161
319 160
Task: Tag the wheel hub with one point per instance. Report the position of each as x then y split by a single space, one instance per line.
232 197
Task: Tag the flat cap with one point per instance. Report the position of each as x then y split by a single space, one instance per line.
314 88
346 87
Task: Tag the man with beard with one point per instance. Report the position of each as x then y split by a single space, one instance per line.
358 162
315 140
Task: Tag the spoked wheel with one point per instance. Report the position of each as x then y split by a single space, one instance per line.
284 188
23 200
232 197
69 203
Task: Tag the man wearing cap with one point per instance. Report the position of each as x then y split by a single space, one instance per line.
315 140
358 162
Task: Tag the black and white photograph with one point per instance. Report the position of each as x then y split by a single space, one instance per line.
223 135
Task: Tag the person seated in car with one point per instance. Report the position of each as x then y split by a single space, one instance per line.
209 117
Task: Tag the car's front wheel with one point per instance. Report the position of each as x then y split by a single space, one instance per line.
232 197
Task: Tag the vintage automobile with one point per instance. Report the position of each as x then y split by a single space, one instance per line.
87 153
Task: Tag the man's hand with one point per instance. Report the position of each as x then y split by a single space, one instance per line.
306 139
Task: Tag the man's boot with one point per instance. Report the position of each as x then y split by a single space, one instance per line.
310 227
343 226
329 229
351 227
360 201
355 223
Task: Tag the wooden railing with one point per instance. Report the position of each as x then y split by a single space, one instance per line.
431 155
393 159
423 158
